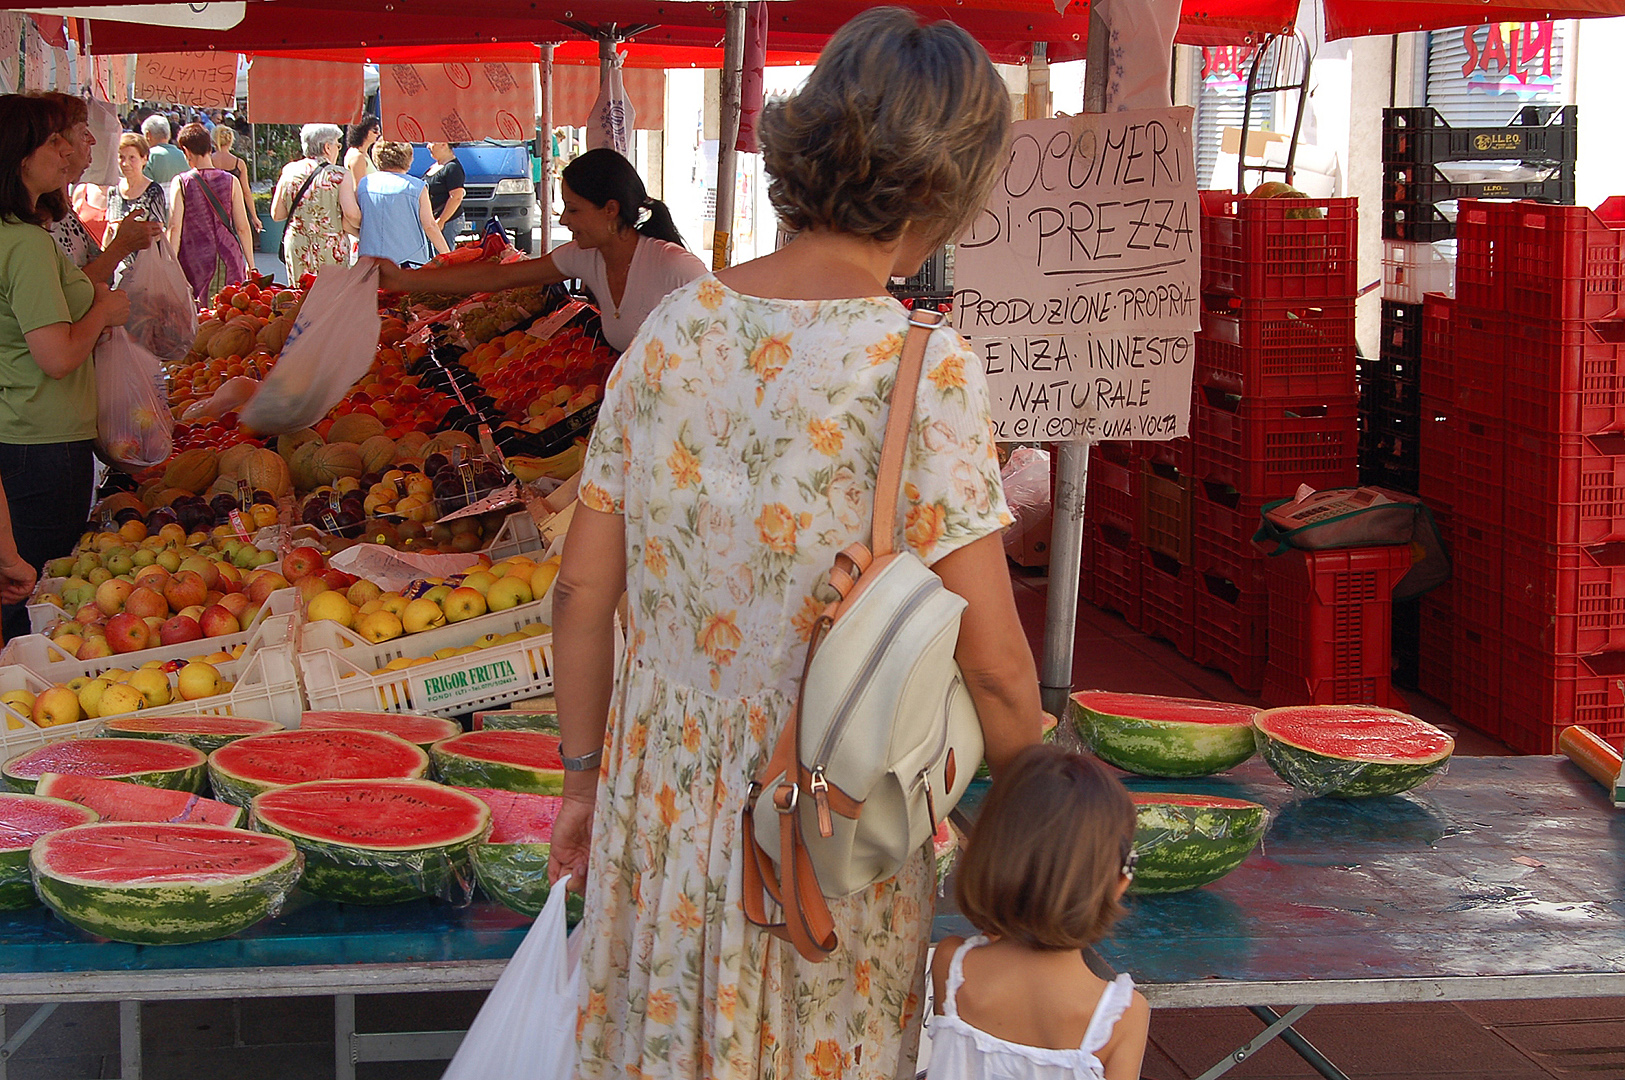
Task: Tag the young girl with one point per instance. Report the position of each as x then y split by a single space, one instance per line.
1048 860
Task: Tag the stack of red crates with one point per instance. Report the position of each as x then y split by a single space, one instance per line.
1436 485
1275 402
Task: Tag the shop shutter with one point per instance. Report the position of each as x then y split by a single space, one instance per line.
1219 107
1466 103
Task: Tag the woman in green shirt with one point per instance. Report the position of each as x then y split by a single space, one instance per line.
50 318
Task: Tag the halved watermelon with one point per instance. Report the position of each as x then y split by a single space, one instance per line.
511 866
23 820
115 800
1351 751
207 733
378 841
541 714
1164 736
140 761
261 762
422 731
1185 841
526 761
163 884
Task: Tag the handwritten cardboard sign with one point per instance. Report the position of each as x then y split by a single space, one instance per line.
203 80
457 102
1078 282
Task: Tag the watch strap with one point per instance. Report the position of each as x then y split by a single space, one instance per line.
584 763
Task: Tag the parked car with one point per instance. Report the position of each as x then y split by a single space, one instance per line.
497 181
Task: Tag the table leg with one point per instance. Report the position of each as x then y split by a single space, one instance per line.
129 1040
1257 1042
24 1033
344 1036
1300 1045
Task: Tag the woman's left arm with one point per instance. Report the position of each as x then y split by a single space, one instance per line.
349 205
241 176
588 589
431 227
177 208
16 575
239 218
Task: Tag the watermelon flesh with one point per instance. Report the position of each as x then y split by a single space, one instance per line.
1164 736
140 761
207 733
378 841
23 820
160 883
260 763
1187 841
422 731
511 866
525 761
1351 751
115 800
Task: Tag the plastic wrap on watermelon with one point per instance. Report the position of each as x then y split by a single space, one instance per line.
945 852
515 876
1184 841
1351 751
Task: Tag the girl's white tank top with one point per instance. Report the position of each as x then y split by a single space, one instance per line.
962 1052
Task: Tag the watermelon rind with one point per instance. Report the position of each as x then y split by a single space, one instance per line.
1140 733
237 778
18 838
1399 753
90 757
168 912
207 733
493 759
1187 841
421 731
515 876
119 800
353 873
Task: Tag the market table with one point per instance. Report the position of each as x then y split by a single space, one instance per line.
1502 879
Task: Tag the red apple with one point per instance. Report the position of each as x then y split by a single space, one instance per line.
218 622
95 648
185 589
338 580
145 603
212 597
259 585
207 569
231 578
237 603
309 588
180 629
128 633
302 562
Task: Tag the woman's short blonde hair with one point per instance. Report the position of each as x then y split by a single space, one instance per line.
224 137
130 138
392 155
900 122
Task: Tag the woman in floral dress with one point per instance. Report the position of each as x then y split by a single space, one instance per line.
735 454
321 221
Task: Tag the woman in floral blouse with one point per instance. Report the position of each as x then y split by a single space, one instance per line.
321 214
735 454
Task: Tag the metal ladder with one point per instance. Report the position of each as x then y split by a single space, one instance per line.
1281 64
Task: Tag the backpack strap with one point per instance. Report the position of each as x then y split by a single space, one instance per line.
806 922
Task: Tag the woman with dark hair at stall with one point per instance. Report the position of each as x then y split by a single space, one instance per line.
626 249
50 317
358 143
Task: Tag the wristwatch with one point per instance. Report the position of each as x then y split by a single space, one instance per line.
584 763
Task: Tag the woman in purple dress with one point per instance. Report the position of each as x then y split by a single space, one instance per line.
208 225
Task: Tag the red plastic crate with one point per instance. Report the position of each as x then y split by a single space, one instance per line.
1480 346
1564 600
1476 560
1114 572
1435 666
1168 600
1475 682
1223 525
1481 237
1176 453
1565 489
1566 378
1268 249
1232 630
1480 461
1331 623
1165 511
1269 448
1438 373
1566 262
1436 455
1543 694
1112 494
1278 349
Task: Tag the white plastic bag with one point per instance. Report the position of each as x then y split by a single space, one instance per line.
134 427
1026 491
332 344
526 1030
163 314
610 122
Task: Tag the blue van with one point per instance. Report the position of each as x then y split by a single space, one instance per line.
497 182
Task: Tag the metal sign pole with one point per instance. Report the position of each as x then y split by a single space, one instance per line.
1071 476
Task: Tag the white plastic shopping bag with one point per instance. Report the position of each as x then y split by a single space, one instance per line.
610 122
332 344
526 1030
163 313
134 426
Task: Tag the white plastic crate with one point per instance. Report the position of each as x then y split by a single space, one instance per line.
337 665
518 536
1410 269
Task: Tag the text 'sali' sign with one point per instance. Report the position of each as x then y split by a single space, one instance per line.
1078 283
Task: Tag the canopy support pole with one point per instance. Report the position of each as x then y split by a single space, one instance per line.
544 145
1071 473
733 74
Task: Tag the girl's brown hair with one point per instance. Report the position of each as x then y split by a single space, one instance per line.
26 124
194 139
1047 852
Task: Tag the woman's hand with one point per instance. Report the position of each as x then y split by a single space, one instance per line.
572 842
392 278
134 234
112 304
16 579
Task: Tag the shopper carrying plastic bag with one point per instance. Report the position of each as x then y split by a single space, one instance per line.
134 427
163 315
329 349
526 1030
